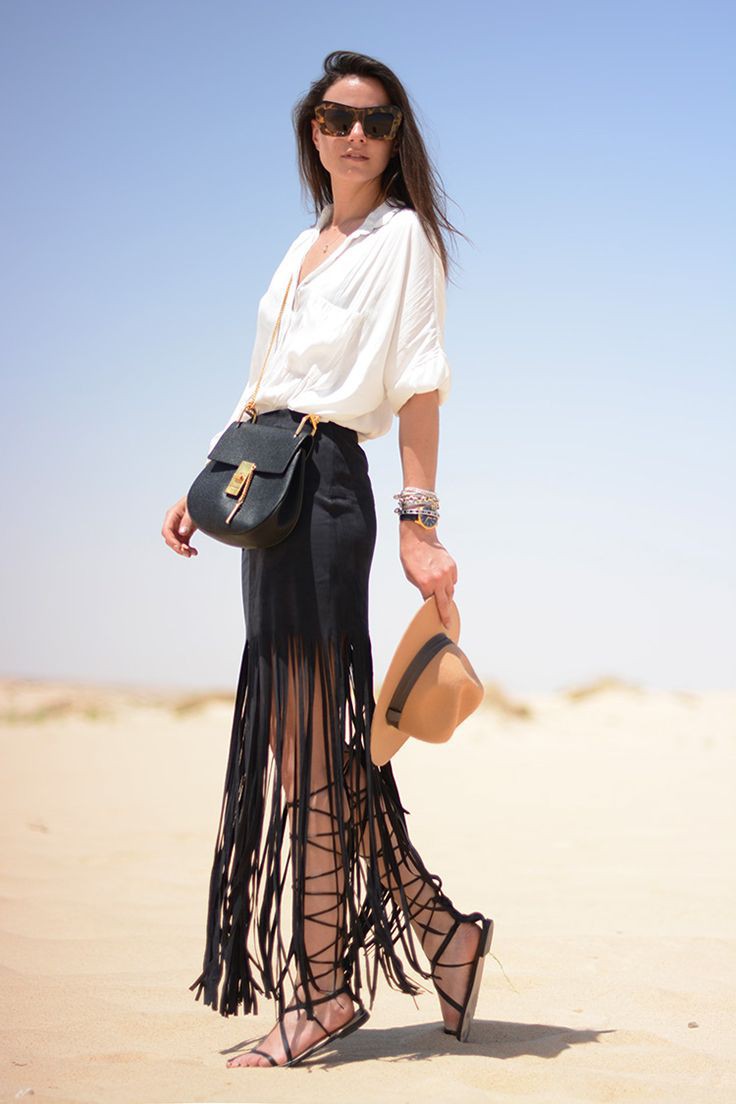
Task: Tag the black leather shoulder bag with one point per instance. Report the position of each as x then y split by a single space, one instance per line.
250 493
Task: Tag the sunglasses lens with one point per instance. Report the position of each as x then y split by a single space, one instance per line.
338 122
378 124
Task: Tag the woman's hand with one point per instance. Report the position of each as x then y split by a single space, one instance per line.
428 565
178 528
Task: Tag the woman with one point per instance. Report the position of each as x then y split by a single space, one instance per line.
359 339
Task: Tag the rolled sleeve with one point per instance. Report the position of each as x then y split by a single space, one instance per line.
418 362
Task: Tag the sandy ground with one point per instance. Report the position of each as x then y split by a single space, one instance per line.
597 827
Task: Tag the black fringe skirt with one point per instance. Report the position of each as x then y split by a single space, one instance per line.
314 881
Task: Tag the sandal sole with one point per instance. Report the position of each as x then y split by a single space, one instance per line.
484 945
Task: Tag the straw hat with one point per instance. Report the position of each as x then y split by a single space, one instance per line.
429 688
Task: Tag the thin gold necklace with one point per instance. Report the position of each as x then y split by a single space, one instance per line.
326 247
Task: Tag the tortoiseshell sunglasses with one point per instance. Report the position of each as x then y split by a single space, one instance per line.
338 119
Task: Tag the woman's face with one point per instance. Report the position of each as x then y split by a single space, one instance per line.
375 153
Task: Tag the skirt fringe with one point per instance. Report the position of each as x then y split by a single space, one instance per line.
262 834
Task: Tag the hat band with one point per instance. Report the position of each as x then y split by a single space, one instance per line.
405 684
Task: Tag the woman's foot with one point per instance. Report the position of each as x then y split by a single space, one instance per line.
301 1033
449 974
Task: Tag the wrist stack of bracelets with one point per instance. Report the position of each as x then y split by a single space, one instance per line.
419 505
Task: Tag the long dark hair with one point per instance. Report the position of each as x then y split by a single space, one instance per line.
409 179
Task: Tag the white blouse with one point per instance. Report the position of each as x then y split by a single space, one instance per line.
362 332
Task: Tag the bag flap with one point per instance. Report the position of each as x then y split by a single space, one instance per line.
269 447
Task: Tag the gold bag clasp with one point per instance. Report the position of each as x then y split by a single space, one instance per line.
241 479
238 486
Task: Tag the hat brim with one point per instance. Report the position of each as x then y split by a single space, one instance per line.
385 738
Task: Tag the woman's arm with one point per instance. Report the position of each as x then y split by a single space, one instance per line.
426 562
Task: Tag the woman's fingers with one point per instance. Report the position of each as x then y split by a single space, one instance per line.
187 529
177 529
443 594
442 598
186 526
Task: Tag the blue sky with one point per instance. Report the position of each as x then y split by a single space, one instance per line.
149 189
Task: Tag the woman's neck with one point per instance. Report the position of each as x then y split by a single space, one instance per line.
352 208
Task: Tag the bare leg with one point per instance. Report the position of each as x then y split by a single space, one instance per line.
432 914
306 748
311 791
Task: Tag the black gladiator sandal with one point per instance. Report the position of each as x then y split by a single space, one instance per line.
357 1021
467 1008
362 1015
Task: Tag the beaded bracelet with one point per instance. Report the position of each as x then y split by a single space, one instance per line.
416 490
417 500
418 503
424 512
417 496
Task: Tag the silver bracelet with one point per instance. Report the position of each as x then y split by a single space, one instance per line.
415 511
415 495
416 490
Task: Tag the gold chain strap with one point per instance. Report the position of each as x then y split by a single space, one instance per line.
250 406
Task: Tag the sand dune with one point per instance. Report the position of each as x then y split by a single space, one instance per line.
596 826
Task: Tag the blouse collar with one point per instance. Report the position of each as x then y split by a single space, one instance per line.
377 217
